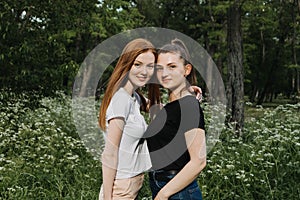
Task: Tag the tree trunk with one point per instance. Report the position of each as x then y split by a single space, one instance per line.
235 87
253 93
294 38
262 94
298 82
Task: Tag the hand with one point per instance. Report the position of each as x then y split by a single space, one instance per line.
198 92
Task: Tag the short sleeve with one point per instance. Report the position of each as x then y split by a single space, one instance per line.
119 106
191 114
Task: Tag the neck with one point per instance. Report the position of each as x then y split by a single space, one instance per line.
177 94
129 88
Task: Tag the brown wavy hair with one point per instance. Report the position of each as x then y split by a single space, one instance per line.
119 76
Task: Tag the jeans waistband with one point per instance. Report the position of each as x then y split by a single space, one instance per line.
162 175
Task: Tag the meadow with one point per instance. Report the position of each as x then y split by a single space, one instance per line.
42 156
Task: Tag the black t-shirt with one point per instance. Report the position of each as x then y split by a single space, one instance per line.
165 134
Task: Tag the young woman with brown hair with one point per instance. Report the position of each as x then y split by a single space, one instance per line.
176 136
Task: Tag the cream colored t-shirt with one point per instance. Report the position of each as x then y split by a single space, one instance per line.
134 157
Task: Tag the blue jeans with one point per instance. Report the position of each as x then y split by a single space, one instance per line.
190 192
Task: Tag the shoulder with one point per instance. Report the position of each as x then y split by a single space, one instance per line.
120 105
189 101
121 97
120 100
120 94
191 112
189 98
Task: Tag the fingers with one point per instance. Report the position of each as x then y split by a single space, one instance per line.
199 97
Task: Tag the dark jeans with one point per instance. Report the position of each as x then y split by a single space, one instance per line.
191 192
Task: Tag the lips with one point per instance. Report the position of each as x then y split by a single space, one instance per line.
166 80
142 78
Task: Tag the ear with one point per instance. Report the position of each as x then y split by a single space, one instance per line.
188 69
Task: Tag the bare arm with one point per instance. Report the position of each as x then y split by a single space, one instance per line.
110 155
196 144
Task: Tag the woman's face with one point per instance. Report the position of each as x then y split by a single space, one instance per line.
142 69
171 71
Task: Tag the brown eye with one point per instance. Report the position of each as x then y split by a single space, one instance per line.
137 65
172 67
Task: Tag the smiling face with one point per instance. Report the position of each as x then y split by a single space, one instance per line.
171 71
141 71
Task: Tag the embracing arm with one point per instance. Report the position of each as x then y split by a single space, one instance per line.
195 140
193 89
110 155
197 90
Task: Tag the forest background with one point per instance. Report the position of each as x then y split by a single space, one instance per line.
43 44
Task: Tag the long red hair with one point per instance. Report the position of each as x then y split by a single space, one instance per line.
119 75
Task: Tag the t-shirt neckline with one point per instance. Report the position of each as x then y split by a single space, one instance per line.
131 97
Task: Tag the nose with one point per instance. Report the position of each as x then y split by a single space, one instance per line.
144 70
165 72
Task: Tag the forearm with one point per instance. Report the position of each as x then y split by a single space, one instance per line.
108 175
110 155
109 170
189 173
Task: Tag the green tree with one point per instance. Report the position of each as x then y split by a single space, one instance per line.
269 37
40 42
43 43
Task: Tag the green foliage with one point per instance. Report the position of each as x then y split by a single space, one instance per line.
40 41
268 47
43 43
42 156
262 164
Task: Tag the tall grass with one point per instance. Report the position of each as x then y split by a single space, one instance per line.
264 163
42 156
